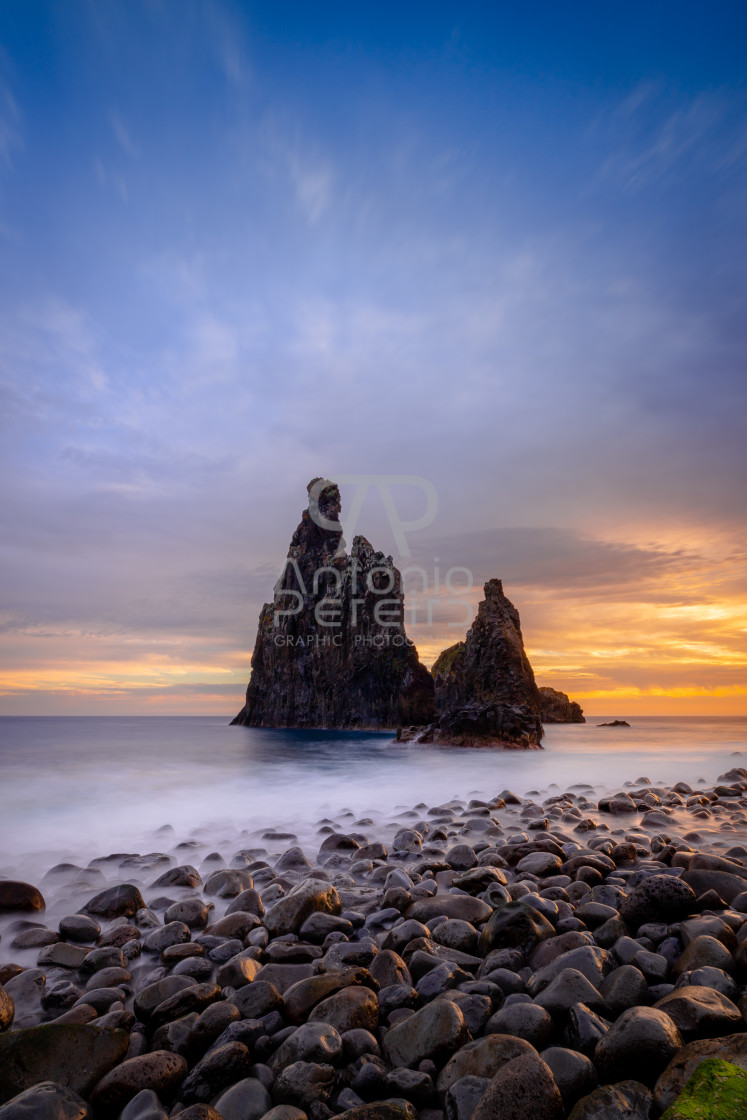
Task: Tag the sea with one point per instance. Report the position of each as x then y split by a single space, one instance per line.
77 788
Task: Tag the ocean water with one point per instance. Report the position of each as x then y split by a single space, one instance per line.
74 788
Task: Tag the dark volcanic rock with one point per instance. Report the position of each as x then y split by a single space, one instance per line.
627 1100
659 898
485 687
639 1044
7 1009
15 895
524 1087
46 1101
121 901
490 664
493 724
557 707
331 650
160 1071
433 1033
515 926
69 1054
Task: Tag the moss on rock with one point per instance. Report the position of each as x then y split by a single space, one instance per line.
716 1091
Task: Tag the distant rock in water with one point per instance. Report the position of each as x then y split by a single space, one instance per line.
615 723
331 649
557 707
485 687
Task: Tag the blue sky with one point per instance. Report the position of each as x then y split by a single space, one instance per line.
244 244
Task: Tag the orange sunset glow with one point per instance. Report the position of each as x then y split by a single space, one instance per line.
667 644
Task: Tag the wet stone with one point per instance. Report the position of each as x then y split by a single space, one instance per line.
248 1099
160 1071
46 1101
79 928
627 1100
222 1066
121 901
574 1073
17 895
463 1097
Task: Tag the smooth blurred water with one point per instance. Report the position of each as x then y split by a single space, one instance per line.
88 786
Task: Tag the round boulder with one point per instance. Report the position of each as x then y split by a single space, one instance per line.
641 1043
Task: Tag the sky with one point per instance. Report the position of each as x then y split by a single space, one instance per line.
499 248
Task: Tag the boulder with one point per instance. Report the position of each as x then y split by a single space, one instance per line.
7 1009
540 864
152 995
145 1105
288 914
482 1058
161 1071
732 1048
72 1055
726 885
574 1073
183 876
432 1033
458 906
627 1100
301 998
523 1020
463 1096
659 898
701 1012
248 1099
312 1042
257 999
228 883
717 1090
350 1009
624 987
569 986
304 1083
524 1087
46 1101
515 926
15 895
641 1042
115 902
222 1066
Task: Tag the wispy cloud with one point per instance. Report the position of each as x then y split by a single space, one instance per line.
656 134
50 340
10 120
123 135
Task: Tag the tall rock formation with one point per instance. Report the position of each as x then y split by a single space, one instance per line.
490 665
485 687
557 707
331 649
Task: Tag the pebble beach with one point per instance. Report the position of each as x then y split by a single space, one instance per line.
569 955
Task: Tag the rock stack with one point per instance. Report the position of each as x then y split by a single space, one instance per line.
331 649
332 652
557 707
484 686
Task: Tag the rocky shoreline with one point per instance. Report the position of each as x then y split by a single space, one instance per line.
558 956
